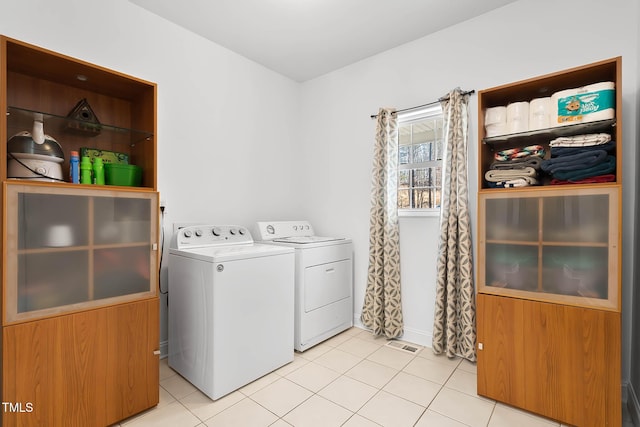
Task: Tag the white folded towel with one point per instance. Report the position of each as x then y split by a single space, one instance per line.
581 140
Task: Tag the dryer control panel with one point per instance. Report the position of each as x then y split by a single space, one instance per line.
281 229
210 235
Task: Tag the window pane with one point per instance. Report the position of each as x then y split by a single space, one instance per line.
423 198
403 178
403 199
420 177
421 152
403 154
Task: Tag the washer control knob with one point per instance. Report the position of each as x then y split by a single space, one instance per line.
232 231
241 231
271 229
198 233
215 231
187 233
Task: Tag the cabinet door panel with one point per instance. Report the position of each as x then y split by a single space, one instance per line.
501 366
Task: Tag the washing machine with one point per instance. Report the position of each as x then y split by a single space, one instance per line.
323 279
231 307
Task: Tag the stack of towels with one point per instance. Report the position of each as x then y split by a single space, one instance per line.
515 167
581 159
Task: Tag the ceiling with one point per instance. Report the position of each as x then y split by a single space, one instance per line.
304 39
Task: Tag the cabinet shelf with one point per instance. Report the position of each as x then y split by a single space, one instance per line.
19 119
552 133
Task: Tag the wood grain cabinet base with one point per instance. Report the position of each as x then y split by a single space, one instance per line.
558 361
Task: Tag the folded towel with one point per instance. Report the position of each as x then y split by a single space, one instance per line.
581 140
574 162
592 180
512 183
562 151
493 175
530 161
516 153
603 168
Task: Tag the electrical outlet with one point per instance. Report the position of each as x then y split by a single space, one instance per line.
163 205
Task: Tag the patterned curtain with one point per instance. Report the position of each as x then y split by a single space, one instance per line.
382 309
454 329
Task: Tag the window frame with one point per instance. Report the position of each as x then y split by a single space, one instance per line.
412 116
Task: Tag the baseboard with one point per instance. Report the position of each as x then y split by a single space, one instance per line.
633 405
164 349
415 336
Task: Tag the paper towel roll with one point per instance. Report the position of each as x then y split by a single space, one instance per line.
539 113
496 129
495 115
518 117
599 101
555 117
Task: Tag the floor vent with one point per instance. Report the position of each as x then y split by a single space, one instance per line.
403 346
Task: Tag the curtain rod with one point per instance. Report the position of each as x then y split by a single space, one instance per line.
444 98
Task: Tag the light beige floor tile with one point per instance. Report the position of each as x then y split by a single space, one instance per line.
348 393
372 373
390 357
467 366
434 419
368 336
338 360
298 361
313 376
204 408
280 423
462 407
260 383
389 410
165 370
171 415
165 397
336 340
463 381
429 370
242 414
315 351
178 386
412 388
359 421
505 416
318 412
281 396
359 347
427 353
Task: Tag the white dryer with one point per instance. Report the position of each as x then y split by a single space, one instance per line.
230 307
323 281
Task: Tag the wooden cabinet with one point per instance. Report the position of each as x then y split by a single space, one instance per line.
556 360
549 266
80 319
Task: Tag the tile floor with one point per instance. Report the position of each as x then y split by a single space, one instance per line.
351 380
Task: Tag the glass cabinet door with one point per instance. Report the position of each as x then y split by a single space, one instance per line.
555 245
71 249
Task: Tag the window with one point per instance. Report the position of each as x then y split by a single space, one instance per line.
420 153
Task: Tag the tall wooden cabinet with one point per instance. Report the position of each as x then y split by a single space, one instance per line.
79 261
549 267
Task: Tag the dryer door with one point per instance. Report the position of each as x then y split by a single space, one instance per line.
326 283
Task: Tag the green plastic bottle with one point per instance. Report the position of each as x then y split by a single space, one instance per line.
85 170
98 171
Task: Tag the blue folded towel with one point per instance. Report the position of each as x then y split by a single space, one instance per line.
608 166
574 162
565 151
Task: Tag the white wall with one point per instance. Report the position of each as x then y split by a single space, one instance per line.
226 126
238 143
521 40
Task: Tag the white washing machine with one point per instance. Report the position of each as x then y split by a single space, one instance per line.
324 280
230 307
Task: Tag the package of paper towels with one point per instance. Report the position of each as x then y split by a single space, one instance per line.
585 104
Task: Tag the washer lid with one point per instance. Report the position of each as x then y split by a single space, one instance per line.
306 239
231 252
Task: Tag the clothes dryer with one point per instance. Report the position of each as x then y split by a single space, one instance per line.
323 280
231 305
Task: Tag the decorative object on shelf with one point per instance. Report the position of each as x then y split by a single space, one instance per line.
106 155
34 155
84 119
